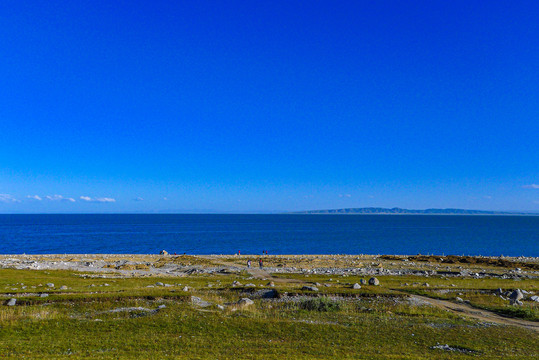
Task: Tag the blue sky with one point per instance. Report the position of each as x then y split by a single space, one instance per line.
228 106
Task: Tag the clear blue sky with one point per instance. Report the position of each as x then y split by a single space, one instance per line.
130 106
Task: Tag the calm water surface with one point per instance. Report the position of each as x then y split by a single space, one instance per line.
279 234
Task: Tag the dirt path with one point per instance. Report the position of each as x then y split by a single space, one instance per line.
478 314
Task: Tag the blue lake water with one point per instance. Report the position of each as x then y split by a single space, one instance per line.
279 234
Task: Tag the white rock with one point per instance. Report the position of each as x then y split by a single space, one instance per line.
11 302
245 302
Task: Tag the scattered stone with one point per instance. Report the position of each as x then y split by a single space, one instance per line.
236 283
516 295
63 287
454 349
50 285
245 302
356 286
310 288
534 298
105 284
162 306
186 288
374 281
271 283
250 285
220 307
159 284
363 282
459 299
11 302
426 284
199 302
43 295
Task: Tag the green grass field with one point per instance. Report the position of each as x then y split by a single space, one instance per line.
337 322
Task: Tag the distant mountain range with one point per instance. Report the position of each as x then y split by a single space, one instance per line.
386 211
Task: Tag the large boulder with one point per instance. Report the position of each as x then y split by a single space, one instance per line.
356 286
516 295
374 281
11 302
363 282
265 294
310 288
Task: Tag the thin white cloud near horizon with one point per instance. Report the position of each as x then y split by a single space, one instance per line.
531 186
34 197
59 198
7 198
97 200
138 199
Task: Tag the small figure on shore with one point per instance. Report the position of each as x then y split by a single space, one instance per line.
248 263
260 262
266 252
163 252
239 252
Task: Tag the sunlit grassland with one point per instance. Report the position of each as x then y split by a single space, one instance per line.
342 323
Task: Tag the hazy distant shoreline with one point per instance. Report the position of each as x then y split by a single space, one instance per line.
401 211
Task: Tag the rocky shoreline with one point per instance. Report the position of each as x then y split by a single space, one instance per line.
339 265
